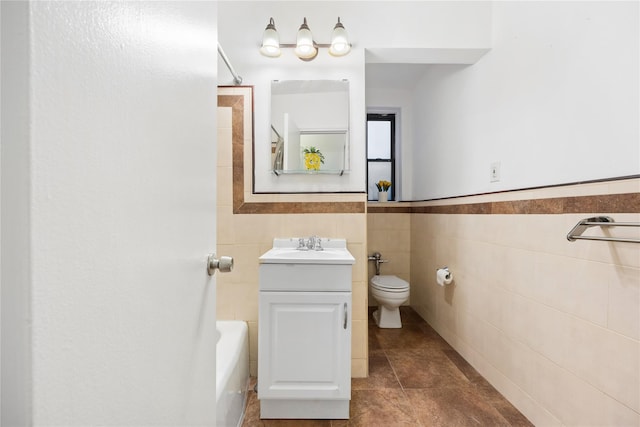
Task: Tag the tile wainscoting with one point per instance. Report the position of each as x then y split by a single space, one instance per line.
553 325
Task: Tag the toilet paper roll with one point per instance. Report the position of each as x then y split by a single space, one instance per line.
443 276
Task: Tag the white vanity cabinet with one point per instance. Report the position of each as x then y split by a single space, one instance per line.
304 354
304 338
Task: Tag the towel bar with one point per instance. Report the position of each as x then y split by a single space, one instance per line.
601 221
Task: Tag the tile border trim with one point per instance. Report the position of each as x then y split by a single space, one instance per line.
609 203
238 112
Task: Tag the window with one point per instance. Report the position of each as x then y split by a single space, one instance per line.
381 164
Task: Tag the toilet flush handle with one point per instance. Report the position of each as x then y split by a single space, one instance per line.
377 257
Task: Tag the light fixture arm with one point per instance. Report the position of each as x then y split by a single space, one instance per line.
304 25
272 25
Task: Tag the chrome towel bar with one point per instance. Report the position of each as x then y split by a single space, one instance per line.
600 221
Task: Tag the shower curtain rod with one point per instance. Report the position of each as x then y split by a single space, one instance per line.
236 78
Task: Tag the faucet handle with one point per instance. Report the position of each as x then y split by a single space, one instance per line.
302 246
317 246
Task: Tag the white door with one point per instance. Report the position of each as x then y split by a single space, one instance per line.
122 144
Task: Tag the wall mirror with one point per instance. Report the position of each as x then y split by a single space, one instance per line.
309 126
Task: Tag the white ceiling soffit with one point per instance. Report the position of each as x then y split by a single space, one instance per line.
423 55
394 76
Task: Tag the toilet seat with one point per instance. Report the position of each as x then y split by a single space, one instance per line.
389 284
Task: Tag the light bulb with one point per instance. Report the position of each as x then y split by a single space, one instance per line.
270 41
339 41
305 46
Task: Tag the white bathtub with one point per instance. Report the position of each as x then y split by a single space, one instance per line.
232 372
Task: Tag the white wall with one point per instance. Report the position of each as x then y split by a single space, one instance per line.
398 102
16 340
415 25
555 101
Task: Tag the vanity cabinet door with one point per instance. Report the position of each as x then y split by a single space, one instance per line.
304 345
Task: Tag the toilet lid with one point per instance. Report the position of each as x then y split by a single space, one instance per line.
389 282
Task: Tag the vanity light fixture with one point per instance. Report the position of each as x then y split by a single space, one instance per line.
270 41
305 47
339 40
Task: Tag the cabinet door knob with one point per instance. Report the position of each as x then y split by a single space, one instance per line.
224 264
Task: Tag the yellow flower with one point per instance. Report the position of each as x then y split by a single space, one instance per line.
312 161
312 158
383 185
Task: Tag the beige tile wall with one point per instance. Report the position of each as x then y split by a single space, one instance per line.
553 324
246 237
390 234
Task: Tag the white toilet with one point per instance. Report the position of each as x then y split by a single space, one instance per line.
390 292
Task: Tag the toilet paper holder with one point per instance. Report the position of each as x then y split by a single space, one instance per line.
443 276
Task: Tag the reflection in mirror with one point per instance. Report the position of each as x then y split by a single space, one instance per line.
309 126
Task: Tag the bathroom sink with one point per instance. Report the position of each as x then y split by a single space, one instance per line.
293 256
285 251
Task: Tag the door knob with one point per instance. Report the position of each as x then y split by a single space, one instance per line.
224 264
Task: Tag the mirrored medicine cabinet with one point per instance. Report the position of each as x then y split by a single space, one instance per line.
309 126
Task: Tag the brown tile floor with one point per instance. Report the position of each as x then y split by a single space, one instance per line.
415 379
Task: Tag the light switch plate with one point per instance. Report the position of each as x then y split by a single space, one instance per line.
494 173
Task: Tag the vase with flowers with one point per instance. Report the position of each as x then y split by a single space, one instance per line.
313 158
383 190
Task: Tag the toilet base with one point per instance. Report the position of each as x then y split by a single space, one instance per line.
386 318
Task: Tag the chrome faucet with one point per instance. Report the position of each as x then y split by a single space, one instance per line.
377 258
317 243
302 245
313 243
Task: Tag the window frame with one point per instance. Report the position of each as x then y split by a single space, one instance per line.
391 118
